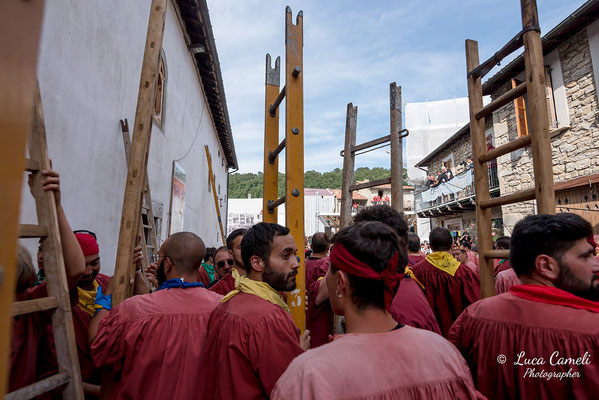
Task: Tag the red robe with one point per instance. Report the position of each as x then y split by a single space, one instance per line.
312 270
473 257
414 259
410 307
501 266
319 319
224 285
406 363
506 325
448 295
154 341
504 280
26 333
250 344
203 277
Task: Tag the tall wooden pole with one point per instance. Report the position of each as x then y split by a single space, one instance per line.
349 159
271 140
140 145
481 172
396 148
20 27
537 110
294 156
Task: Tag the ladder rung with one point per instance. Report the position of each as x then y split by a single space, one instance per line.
497 254
40 387
524 195
149 246
370 184
31 306
501 101
146 226
31 165
514 44
32 231
510 146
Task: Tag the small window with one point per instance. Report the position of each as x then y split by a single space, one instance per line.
551 114
158 114
520 107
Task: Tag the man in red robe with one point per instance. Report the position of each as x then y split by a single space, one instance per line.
378 358
320 248
227 283
460 253
151 343
505 280
540 340
28 329
319 317
502 243
252 338
223 262
414 253
450 285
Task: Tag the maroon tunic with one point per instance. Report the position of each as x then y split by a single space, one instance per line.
250 343
224 285
154 341
448 295
504 280
319 318
410 307
414 259
203 277
502 266
493 332
313 269
26 333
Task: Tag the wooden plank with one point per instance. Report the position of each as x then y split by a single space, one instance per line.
20 26
347 179
294 160
366 145
31 306
501 101
510 146
481 172
523 195
271 139
497 254
40 387
481 70
56 279
27 231
537 111
349 158
396 148
140 145
365 185
211 174
31 165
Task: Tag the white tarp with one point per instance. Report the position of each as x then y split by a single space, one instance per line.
454 186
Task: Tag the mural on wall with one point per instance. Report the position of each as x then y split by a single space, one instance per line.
177 199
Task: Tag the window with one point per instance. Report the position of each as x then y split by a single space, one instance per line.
448 162
520 107
158 115
551 114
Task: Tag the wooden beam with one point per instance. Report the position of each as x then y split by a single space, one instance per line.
349 158
32 231
365 185
396 148
294 159
271 139
510 146
523 195
31 165
537 111
140 144
497 254
216 205
30 306
481 172
40 387
501 101
20 26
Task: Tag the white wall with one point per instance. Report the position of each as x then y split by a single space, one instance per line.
89 68
593 37
559 90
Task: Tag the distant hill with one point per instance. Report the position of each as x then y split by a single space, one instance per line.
240 185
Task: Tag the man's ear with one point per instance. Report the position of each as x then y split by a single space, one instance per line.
342 283
547 267
257 263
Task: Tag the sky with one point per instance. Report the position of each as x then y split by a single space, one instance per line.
353 50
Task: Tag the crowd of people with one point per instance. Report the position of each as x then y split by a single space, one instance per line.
216 324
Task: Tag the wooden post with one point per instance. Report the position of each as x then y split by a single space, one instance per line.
271 139
396 148
537 110
140 145
294 159
349 159
211 174
20 27
481 172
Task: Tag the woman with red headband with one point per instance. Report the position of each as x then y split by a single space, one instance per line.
378 357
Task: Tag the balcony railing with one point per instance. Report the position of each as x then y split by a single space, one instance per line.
460 187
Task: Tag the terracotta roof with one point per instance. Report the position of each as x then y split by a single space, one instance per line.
355 195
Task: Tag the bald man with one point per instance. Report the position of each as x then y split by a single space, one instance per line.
152 342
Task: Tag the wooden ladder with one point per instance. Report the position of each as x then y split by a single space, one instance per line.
539 136
58 299
293 198
211 173
351 150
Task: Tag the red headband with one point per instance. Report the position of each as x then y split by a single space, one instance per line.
88 244
346 262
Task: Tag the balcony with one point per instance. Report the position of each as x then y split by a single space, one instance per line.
454 196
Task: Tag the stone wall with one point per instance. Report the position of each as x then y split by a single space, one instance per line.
575 151
461 149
